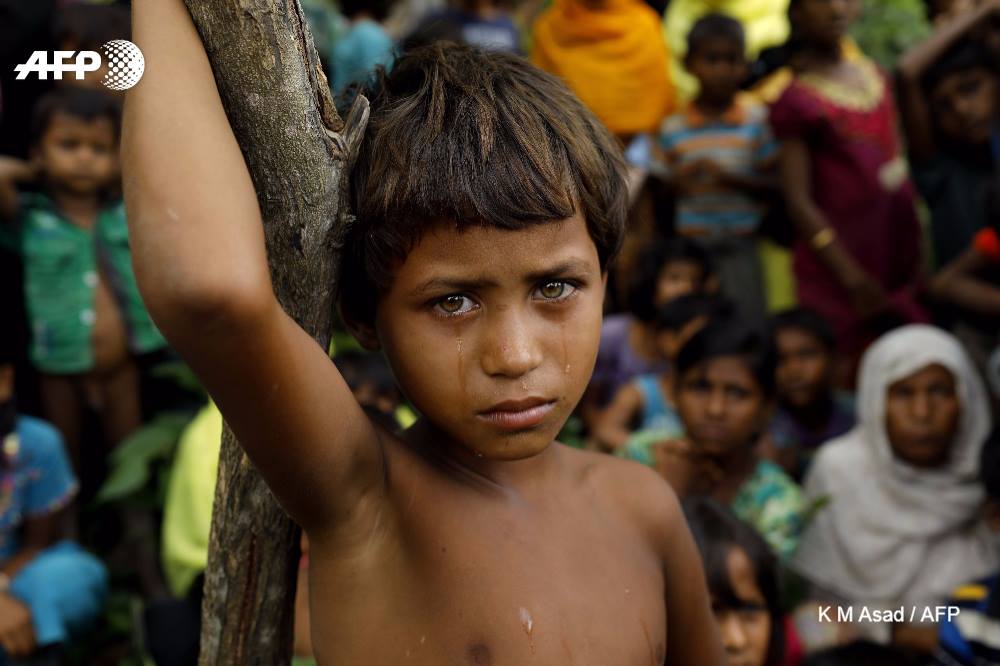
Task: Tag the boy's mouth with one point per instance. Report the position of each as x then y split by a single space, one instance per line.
518 414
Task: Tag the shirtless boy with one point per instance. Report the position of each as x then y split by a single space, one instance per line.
477 266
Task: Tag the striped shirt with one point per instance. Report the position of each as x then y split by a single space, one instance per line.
740 142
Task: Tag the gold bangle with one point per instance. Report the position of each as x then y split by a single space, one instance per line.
823 239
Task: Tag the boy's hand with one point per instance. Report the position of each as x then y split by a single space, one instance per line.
17 634
697 177
14 170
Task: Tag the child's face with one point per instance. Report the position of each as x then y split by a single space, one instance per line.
746 631
965 105
678 278
493 334
921 415
76 155
720 66
825 22
804 367
721 404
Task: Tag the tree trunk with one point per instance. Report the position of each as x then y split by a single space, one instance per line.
298 152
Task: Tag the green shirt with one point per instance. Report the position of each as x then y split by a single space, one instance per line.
61 263
774 505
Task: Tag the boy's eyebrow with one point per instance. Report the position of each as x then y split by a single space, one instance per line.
573 265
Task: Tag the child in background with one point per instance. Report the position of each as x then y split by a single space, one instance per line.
949 91
85 26
50 589
665 270
724 392
973 637
857 259
742 575
966 281
364 46
646 402
809 411
473 535
719 158
87 318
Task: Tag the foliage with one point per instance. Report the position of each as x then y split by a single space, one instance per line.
889 27
144 454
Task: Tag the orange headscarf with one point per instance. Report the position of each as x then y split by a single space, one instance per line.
611 53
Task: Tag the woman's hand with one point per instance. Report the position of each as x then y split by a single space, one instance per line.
17 634
686 469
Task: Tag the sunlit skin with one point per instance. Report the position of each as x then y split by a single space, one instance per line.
746 631
677 279
78 157
922 413
965 105
804 368
720 66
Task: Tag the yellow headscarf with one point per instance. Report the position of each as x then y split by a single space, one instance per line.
612 55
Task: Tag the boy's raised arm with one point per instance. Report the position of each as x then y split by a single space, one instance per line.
198 250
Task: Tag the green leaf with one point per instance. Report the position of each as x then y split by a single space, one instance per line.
134 459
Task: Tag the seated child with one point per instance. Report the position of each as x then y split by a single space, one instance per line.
50 589
724 393
664 271
476 263
973 637
647 399
742 575
364 46
949 87
809 411
87 319
719 157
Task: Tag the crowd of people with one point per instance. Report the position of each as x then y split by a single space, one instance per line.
801 330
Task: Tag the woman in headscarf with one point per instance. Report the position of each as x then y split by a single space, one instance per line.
612 55
901 525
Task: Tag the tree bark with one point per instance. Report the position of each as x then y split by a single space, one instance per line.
298 152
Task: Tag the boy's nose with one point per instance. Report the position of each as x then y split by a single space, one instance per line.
512 350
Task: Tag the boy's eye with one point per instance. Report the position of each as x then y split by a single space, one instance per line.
454 305
555 290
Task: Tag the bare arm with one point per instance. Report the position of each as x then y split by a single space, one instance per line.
958 283
796 173
12 172
914 106
199 256
612 431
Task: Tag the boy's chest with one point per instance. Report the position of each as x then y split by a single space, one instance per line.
513 588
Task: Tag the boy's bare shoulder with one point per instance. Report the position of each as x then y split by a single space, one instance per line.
644 495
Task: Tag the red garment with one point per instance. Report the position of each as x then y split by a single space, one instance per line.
860 184
987 243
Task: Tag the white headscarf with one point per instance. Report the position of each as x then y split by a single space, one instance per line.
891 532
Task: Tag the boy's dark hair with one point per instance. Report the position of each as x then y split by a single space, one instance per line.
717 531
84 26
729 336
676 314
648 266
989 465
804 319
864 653
462 137
379 9
966 55
84 103
714 26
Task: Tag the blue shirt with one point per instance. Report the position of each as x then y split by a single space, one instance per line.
35 478
355 56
